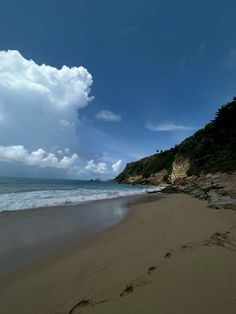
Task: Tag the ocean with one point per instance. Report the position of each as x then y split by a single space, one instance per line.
25 193
26 235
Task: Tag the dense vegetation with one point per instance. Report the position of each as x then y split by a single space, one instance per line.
211 149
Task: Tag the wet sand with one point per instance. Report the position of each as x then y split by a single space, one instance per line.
27 235
171 255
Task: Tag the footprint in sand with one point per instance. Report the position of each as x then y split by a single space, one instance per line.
167 255
129 289
151 269
82 303
216 239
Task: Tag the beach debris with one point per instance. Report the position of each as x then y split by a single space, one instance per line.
151 269
129 289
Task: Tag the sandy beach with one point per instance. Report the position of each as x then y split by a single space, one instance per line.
170 255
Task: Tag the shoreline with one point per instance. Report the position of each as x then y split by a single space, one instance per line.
171 255
31 234
93 201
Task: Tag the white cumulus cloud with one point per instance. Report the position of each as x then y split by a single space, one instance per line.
39 104
61 88
39 157
167 127
116 166
106 115
98 168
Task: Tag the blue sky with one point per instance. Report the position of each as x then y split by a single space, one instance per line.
162 68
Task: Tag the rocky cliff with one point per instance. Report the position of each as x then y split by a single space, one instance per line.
196 162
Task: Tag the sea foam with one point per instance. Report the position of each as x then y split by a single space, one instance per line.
73 195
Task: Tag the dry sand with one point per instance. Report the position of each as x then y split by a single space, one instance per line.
171 255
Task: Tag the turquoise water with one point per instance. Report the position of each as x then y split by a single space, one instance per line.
24 193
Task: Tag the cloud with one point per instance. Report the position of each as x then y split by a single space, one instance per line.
167 127
98 168
106 115
116 166
39 104
39 157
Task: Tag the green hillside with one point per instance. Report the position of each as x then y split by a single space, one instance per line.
211 149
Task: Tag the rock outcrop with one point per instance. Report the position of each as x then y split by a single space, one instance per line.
154 179
180 168
218 188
